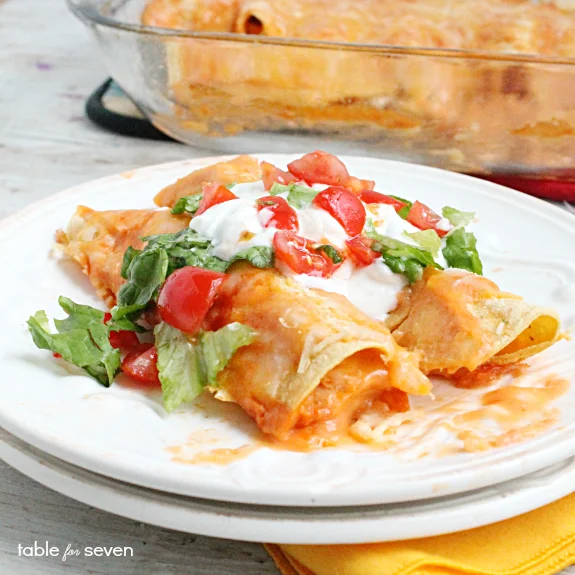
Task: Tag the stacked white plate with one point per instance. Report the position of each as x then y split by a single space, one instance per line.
118 450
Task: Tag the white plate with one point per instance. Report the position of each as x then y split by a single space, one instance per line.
126 435
294 525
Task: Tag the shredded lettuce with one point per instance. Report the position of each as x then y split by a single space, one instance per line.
410 268
188 204
298 196
401 258
146 270
82 339
258 256
278 188
457 218
191 204
403 213
186 368
427 239
330 252
129 255
145 274
460 251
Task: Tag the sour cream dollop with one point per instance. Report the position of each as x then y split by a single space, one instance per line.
237 225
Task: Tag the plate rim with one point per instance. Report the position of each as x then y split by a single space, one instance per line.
271 524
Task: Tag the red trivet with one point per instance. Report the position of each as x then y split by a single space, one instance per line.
557 190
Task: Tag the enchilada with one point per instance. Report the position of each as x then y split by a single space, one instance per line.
303 294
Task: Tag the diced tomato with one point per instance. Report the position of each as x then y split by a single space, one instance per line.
123 339
344 206
187 296
360 250
425 218
371 197
320 168
284 217
271 174
57 356
301 255
356 185
140 364
214 194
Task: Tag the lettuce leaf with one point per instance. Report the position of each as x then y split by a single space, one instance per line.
179 366
188 204
82 339
298 196
460 251
457 218
186 368
427 239
218 347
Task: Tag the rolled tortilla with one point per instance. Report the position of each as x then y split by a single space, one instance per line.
199 15
240 170
489 25
317 359
263 76
459 321
97 241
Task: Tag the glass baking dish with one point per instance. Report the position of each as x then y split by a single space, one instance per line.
486 114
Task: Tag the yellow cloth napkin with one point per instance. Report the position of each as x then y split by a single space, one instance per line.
541 542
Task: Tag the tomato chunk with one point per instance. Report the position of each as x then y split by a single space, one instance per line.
140 364
302 255
371 197
356 185
271 174
425 218
283 217
320 168
214 194
344 206
360 250
187 296
123 339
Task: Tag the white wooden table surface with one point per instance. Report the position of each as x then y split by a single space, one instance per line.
48 67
